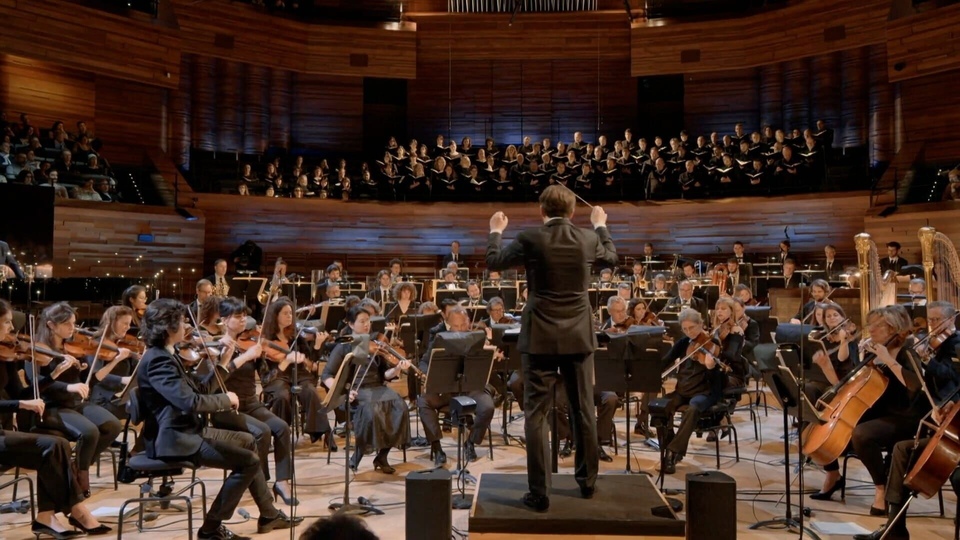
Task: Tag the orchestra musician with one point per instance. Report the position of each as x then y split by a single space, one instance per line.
751 328
738 274
699 386
68 409
831 267
943 381
204 291
382 294
819 291
893 261
57 487
743 293
619 320
660 288
496 313
208 318
624 290
135 298
380 417
895 416
791 278
219 279
254 417
396 270
115 323
171 402
404 294
429 405
279 327
685 299
474 298
641 314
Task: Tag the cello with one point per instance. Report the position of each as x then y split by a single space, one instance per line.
850 398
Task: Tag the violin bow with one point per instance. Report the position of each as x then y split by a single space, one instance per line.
96 355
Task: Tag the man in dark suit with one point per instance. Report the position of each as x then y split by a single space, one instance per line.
382 294
453 256
221 283
9 267
172 402
686 298
737 273
204 291
893 260
791 278
832 268
557 329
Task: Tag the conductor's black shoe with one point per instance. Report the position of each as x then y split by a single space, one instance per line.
587 492
265 525
566 450
877 534
604 456
220 533
539 503
470 451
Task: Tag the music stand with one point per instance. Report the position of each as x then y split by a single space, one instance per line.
507 293
505 338
627 365
785 389
454 294
331 315
378 325
458 365
337 395
412 331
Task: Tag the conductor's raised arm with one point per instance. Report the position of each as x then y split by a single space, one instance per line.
606 252
497 258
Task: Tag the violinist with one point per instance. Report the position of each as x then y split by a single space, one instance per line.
745 295
429 404
208 318
497 313
57 487
381 419
240 378
699 384
894 417
685 299
114 323
660 288
204 291
730 334
404 294
171 403
641 314
135 298
279 327
67 408
942 381
624 290
819 291
474 296
750 327
619 320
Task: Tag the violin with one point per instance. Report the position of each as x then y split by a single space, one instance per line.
928 346
649 319
698 348
622 327
392 355
14 349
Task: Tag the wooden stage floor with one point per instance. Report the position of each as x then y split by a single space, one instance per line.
759 477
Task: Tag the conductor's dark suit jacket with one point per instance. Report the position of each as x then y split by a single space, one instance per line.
557 318
171 402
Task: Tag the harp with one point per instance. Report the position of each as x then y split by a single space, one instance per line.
876 290
940 260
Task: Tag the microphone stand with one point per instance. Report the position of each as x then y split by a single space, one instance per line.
294 417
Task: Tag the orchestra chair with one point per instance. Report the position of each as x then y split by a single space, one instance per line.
139 466
15 483
843 489
446 421
711 421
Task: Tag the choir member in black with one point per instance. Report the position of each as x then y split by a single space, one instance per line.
69 410
405 303
447 183
727 176
691 180
699 386
814 164
658 179
787 169
897 413
819 291
49 455
942 381
115 323
504 187
611 187
893 261
457 320
417 185
757 177
791 278
535 181
380 417
278 325
824 136
254 417
135 298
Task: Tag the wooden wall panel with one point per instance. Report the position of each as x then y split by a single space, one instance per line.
708 105
228 105
931 112
128 114
853 102
327 112
384 230
771 95
825 89
924 44
880 109
101 241
281 88
46 92
902 226
181 115
256 101
69 34
796 94
808 28
241 33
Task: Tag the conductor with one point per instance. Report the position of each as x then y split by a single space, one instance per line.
557 330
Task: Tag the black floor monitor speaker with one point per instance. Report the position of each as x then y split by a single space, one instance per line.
711 506
429 505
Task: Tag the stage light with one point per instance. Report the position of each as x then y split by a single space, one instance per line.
186 214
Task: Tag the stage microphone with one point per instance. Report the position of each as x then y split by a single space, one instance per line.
364 501
243 513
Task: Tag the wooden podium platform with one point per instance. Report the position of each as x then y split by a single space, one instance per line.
623 506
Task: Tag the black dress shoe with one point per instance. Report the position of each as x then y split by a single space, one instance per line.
880 512
470 452
587 492
877 534
439 458
604 456
826 495
566 450
669 463
94 531
265 525
39 529
539 503
380 462
220 533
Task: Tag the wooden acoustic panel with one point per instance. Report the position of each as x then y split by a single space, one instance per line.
314 232
800 30
134 47
242 33
924 44
930 108
902 226
91 240
46 92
